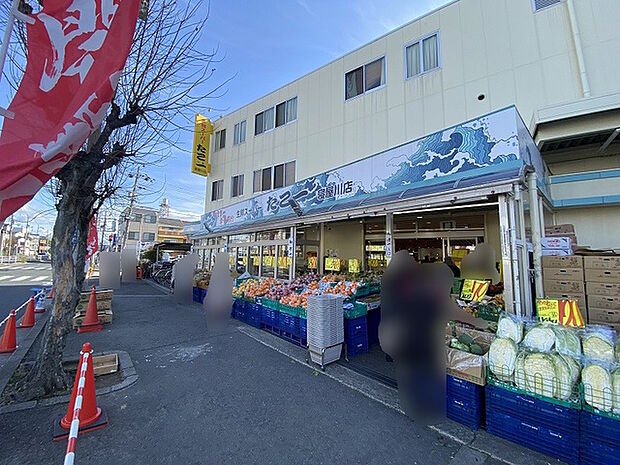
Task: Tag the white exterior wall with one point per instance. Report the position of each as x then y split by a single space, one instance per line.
499 48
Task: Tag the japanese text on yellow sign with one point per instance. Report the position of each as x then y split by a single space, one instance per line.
354 265
474 290
200 151
560 311
312 263
332 264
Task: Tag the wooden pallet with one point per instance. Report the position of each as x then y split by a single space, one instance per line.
104 317
101 305
104 294
105 364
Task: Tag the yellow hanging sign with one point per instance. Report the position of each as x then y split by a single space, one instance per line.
255 260
200 151
564 312
332 264
312 263
474 290
354 265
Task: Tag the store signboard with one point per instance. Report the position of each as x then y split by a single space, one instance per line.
200 151
488 149
388 246
560 311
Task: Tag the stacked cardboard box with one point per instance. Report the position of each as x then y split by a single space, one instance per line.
602 274
563 279
562 230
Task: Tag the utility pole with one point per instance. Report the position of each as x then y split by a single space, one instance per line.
132 197
11 236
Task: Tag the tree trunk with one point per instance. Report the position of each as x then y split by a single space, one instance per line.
47 376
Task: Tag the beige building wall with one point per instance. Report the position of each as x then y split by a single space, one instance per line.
345 239
596 227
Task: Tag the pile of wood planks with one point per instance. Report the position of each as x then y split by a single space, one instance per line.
104 307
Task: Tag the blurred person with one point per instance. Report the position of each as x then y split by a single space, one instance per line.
415 308
218 301
456 271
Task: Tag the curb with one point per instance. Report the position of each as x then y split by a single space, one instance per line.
128 373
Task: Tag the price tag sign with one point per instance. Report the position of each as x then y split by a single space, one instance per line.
388 246
332 264
312 263
474 290
255 260
564 312
354 265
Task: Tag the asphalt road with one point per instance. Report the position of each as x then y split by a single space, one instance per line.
17 280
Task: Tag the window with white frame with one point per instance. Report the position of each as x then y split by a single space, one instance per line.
422 56
148 236
220 140
276 116
262 180
236 186
133 235
540 4
365 78
150 218
217 190
283 174
239 132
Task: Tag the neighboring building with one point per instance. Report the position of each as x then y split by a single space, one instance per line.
147 226
375 151
550 58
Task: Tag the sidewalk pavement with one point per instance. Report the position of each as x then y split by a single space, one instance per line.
221 397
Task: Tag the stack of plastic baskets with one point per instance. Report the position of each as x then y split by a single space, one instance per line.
325 328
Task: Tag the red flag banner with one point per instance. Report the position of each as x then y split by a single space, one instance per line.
92 243
76 51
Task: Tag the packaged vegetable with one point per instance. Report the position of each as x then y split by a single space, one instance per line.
597 347
520 370
563 383
567 341
597 387
510 327
540 374
502 357
539 337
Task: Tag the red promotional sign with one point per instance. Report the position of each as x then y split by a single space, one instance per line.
92 243
76 51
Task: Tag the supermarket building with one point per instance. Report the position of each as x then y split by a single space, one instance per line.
432 138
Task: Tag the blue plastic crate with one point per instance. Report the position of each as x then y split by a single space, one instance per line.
355 327
465 389
464 412
202 295
357 347
537 435
529 407
303 328
269 316
289 324
600 428
372 321
592 452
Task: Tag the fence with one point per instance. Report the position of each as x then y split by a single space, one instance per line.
8 259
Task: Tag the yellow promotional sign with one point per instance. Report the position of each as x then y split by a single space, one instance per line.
312 263
255 260
268 260
332 264
560 311
354 265
474 290
200 151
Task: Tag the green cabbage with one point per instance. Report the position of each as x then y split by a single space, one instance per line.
573 366
615 381
502 356
618 350
567 341
540 374
597 347
520 370
597 388
563 383
539 337
507 327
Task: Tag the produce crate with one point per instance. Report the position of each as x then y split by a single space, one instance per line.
288 324
464 402
600 428
105 364
373 318
355 328
269 316
253 317
488 312
269 303
288 309
362 290
548 439
374 288
195 294
457 284
357 346
303 313
202 295
303 328
354 310
593 452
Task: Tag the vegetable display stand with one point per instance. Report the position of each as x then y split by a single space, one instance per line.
464 402
547 425
355 336
354 310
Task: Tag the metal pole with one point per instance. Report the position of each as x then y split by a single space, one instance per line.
536 234
292 253
321 247
131 202
514 256
389 224
524 257
505 249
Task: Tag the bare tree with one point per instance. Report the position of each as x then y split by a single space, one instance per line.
166 73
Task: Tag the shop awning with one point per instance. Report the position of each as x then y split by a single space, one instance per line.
173 246
493 149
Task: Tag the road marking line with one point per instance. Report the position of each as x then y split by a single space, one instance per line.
21 278
2 278
40 278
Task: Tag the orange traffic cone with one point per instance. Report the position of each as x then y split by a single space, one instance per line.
28 319
51 294
8 343
91 320
91 417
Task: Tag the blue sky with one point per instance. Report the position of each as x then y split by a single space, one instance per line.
264 45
